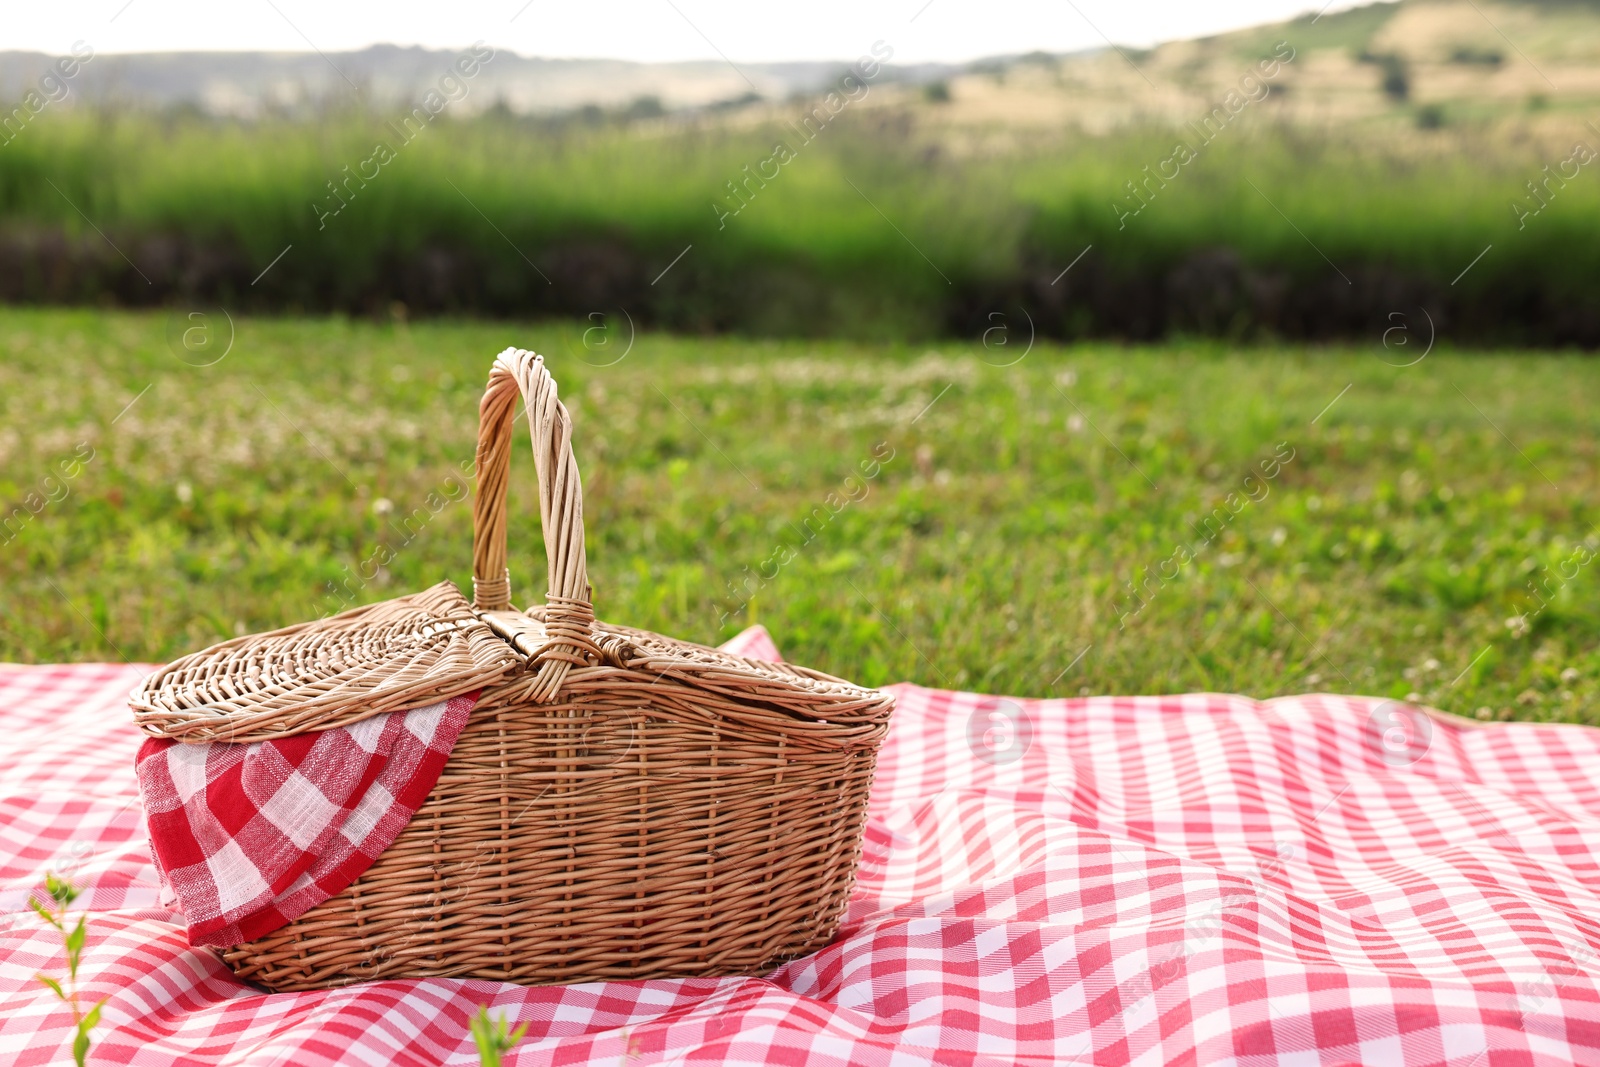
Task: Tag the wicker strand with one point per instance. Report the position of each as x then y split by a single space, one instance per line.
492 590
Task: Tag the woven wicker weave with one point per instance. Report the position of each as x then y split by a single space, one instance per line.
620 804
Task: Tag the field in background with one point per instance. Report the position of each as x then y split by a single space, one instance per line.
872 231
1290 519
1401 157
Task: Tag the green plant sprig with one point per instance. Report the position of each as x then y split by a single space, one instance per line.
62 894
493 1038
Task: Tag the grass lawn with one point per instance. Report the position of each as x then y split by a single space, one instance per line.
1092 519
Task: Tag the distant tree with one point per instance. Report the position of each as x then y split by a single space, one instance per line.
936 92
644 107
1396 81
1483 57
734 103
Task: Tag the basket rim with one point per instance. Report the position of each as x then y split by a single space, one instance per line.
261 686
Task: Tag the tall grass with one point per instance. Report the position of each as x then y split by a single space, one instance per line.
876 225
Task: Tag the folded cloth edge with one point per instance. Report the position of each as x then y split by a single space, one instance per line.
195 846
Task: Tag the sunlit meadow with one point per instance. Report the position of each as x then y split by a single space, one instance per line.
1089 519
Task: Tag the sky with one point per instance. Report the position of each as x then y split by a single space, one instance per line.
643 30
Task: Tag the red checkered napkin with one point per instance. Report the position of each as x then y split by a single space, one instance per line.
248 837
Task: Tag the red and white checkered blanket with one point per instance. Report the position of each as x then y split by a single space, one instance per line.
1194 879
250 837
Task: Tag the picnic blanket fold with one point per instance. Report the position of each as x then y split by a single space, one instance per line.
249 837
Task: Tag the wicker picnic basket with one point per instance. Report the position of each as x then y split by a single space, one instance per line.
620 805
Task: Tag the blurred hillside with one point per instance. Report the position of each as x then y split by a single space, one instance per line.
1466 60
257 85
1308 179
1534 67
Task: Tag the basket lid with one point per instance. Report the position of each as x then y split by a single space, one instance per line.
802 691
687 682
396 655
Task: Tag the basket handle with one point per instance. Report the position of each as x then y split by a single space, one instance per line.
569 610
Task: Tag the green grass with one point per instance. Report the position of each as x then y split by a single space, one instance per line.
992 549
